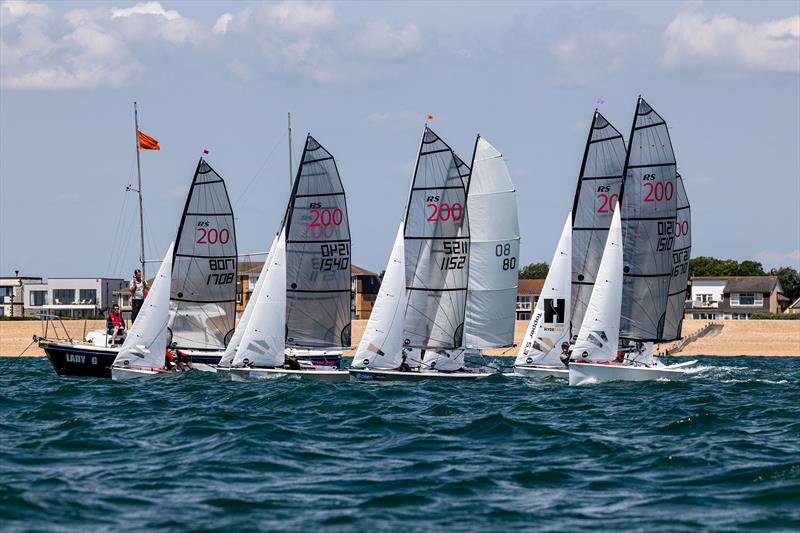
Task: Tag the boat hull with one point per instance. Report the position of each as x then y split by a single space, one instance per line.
130 374
588 373
535 371
395 375
246 374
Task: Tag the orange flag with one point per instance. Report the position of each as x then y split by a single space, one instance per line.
146 142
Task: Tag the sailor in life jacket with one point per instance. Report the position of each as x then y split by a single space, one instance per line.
115 325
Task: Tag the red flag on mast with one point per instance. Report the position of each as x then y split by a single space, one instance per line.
146 142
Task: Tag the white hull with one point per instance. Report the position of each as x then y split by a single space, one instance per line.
245 374
588 373
537 371
202 367
119 373
367 374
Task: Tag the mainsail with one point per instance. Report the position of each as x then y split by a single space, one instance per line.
598 338
549 324
263 341
680 265
596 196
649 200
382 342
203 296
494 249
317 254
436 236
146 343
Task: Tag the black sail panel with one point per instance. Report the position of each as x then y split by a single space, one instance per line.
436 239
681 252
649 202
596 196
318 283
203 287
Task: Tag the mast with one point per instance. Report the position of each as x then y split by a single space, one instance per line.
289 118
139 187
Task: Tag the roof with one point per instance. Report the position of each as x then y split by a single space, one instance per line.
358 271
745 283
530 286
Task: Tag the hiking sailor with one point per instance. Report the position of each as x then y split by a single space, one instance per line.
138 288
565 354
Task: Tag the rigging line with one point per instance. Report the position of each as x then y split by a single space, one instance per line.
260 169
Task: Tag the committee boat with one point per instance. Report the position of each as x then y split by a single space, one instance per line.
302 298
203 287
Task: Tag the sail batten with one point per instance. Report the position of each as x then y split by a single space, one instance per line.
649 202
436 248
596 195
203 287
317 254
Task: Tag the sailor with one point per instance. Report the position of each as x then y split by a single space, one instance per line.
183 360
565 353
404 365
115 325
291 362
620 358
138 288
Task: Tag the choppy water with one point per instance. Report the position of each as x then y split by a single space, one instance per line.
719 452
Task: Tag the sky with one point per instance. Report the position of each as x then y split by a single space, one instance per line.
362 78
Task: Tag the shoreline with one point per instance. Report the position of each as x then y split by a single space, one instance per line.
738 338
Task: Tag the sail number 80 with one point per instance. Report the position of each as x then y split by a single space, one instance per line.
504 250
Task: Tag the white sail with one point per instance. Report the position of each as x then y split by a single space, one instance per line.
146 343
382 342
598 337
549 325
233 345
494 251
264 339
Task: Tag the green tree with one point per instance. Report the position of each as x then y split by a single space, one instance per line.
790 281
750 268
534 271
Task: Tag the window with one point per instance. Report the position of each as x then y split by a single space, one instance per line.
88 296
747 299
238 297
6 292
63 296
524 303
523 316
38 298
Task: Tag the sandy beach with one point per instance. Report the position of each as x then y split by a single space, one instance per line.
746 337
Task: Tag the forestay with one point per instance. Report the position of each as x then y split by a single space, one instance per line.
382 342
549 324
317 254
436 244
598 338
233 344
493 251
596 196
203 296
649 199
680 265
146 343
263 341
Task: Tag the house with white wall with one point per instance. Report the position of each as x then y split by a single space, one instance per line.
734 297
71 297
12 289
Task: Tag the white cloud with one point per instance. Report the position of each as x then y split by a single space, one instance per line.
774 259
147 8
299 17
585 57
698 39
13 10
381 41
240 70
221 25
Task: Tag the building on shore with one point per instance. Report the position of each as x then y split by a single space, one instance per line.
72 297
12 294
734 297
528 293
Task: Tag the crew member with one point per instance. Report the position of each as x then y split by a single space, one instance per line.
566 353
115 325
138 288
291 362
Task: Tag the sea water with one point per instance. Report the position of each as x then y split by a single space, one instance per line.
718 452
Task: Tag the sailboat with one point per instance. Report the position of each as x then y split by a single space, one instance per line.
302 298
540 350
203 286
142 354
649 201
450 285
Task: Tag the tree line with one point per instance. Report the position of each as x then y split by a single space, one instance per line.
708 266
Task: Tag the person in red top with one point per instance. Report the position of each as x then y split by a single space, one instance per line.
115 325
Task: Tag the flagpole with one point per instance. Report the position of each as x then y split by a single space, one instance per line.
289 114
139 188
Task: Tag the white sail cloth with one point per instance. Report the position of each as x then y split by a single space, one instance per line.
598 338
494 251
233 345
382 342
146 343
264 340
549 324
